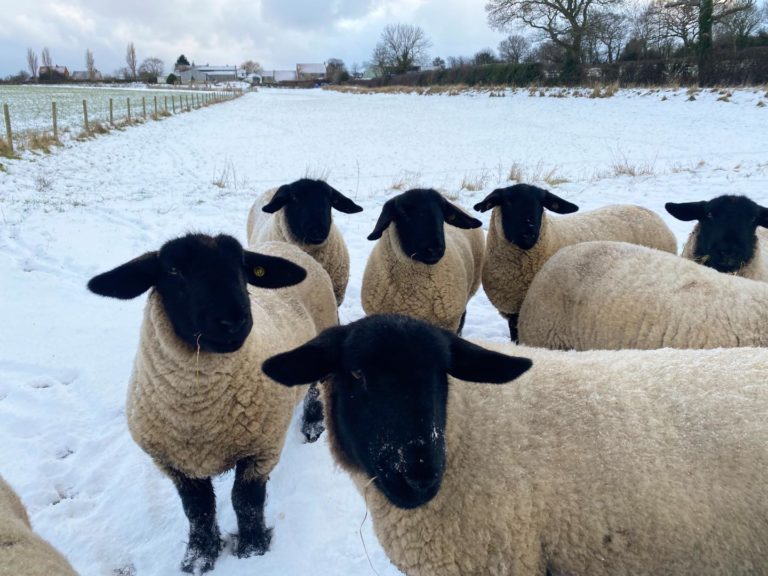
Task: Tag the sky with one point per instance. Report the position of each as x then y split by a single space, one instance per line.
276 33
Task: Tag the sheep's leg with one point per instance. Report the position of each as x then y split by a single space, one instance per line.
461 323
248 496
199 502
312 418
513 327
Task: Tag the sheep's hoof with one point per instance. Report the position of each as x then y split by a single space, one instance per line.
312 425
253 545
199 560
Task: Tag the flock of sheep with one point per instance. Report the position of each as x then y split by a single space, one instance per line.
599 456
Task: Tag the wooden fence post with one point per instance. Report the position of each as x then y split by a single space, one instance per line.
165 103
129 109
144 107
8 131
155 107
55 121
111 113
173 103
85 117
188 108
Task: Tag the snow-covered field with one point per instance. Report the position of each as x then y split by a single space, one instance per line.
66 355
30 106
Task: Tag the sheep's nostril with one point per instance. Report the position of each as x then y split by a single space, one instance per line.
232 325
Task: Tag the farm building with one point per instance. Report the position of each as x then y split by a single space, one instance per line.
82 75
210 74
310 71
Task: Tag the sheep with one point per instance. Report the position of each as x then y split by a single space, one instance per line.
419 266
726 236
521 237
613 295
198 403
300 214
598 463
22 552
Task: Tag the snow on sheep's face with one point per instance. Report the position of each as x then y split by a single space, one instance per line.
201 281
420 216
307 204
726 239
522 207
388 406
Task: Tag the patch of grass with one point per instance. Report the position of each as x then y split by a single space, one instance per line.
43 184
42 141
761 104
406 180
515 173
226 177
315 173
5 149
537 173
475 183
724 98
623 167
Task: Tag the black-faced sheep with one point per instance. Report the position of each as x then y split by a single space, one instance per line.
521 238
420 266
593 463
300 214
198 402
726 236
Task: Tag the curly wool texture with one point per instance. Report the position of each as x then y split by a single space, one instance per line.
613 295
508 269
595 463
755 269
22 552
332 254
201 413
438 293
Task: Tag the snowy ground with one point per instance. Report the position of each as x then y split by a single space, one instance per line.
66 355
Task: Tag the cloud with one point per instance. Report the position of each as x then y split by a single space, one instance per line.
277 33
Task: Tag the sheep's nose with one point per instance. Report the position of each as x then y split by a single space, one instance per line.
423 481
232 325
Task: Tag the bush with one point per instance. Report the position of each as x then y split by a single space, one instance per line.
172 79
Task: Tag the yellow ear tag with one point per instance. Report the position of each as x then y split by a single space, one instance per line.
258 271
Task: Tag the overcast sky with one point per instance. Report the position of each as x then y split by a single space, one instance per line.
276 33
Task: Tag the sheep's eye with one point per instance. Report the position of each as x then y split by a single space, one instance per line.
173 271
357 374
709 215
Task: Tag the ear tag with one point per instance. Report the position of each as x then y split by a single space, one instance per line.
555 206
259 271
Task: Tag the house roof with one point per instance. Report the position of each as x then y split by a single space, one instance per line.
285 75
310 68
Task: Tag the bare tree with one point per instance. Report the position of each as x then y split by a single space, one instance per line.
514 48
457 61
336 70
45 57
738 26
563 22
484 56
130 59
32 62
90 65
151 69
251 67
608 31
400 48
438 63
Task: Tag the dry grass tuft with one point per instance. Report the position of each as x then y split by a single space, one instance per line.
724 98
406 180
475 183
537 173
622 167
42 141
515 173
691 98
317 173
5 149
761 104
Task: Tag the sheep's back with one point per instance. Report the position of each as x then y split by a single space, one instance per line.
613 295
22 552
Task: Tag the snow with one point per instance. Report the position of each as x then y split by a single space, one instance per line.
67 354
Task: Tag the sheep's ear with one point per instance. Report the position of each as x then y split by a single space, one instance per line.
476 364
342 203
385 219
310 362
557 204
457 217
279 200
687 211
762 219
271 271
493 199
128 280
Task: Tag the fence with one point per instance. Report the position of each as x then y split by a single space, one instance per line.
159 106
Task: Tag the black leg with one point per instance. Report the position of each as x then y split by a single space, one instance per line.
513 327
461 323
248 496
312 419
199 502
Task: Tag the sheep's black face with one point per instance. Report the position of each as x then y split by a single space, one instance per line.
201 281
389 395
307 205
522 207
727 225
419 216
203 288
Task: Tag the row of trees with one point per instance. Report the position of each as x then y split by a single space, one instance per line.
148 70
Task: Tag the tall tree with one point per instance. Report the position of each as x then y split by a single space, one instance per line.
563 22
181 63
90 65
400 48
151 69
736 28
484 56
32 62
250 67
130 59
45 57
336 70
514 48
